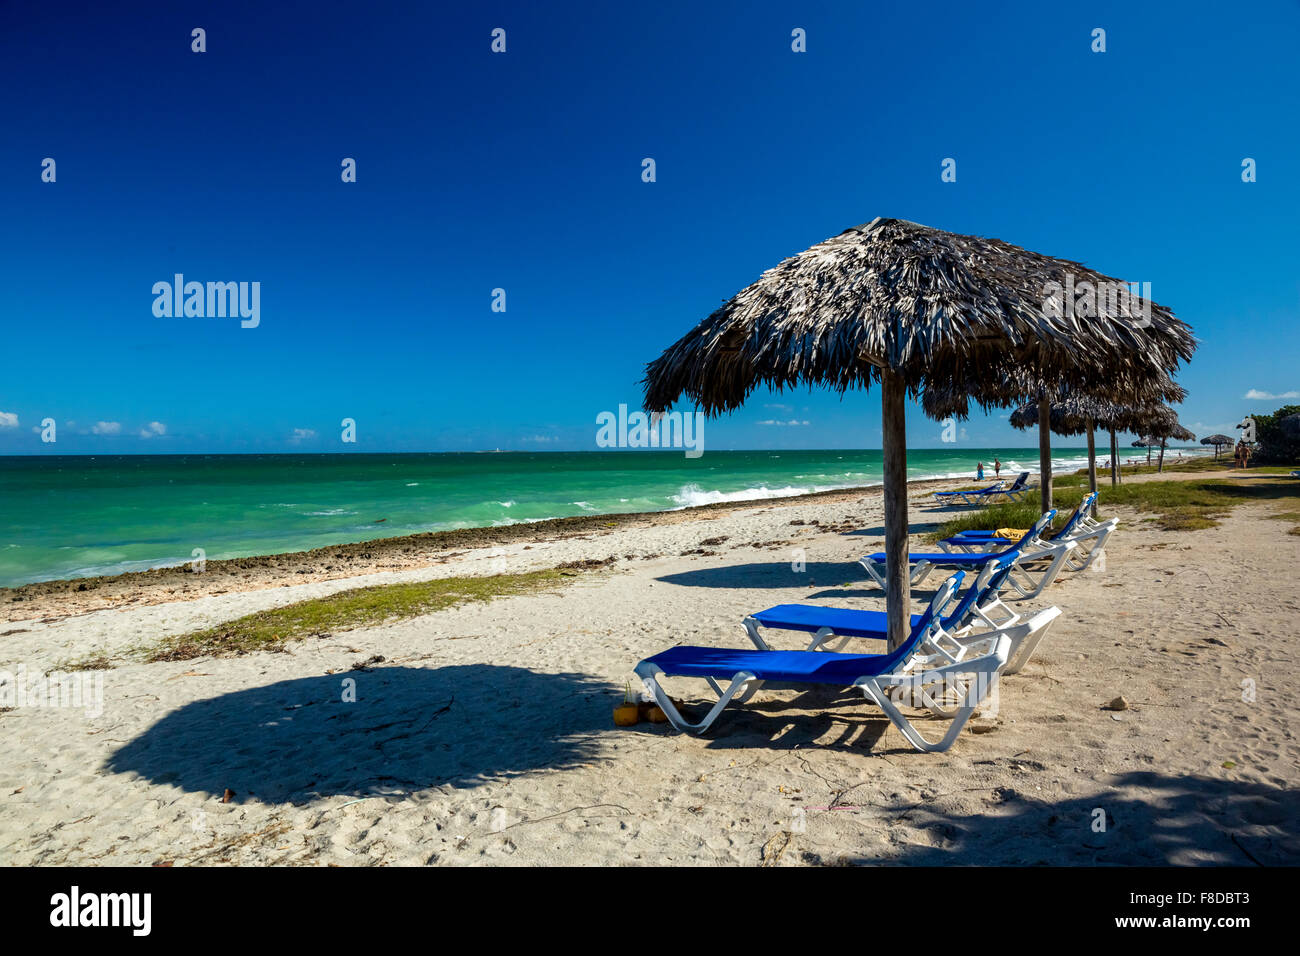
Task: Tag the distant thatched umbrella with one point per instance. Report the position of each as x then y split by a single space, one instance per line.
1164 428
1073 415
1148 444
1070 411
1218 441
905 305
1135 418
1076 414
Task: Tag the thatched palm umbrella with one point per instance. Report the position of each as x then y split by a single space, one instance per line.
1218 441
905 306
1148 444
1076 414
1137 418
1073 415
1164 430
1052 406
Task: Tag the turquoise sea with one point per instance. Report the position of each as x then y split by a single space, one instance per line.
77 516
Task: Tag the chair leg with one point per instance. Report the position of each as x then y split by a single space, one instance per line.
751 628
1081 564
870 567
1031 589
1025 639
1049 575
979 675
984 612
872 690
1022 638
739 684
821 638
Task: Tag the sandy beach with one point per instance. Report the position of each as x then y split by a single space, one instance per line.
483 733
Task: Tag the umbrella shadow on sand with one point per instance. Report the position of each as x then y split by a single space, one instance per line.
839 580
1141 818
408 729
769 574
1145 818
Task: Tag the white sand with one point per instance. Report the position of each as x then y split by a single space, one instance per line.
485 734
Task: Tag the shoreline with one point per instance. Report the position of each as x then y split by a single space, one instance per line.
353 559
427 524
63 597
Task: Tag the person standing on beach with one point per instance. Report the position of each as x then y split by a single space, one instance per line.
997 468
979 471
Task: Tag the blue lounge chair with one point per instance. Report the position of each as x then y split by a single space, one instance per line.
953 640
972 496
983 542
874 674
1016 492
827 624
1032 556
923 563
989 536
1088 535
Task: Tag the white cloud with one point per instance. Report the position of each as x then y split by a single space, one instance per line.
302 434
542 439
107 428
1202 429
780 408
1261 396
8 419
152 429
792 421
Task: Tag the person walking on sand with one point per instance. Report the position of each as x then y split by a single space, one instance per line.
979 471
997 468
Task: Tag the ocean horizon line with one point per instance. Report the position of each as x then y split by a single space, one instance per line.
71 516
1102 452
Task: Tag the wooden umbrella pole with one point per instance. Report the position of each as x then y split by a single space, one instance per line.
1092 464
1045 452
1160 469
898 590
1116 475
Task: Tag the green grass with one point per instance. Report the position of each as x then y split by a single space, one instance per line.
1169 505
271 630
1187 464
1225 463
1007 514
1067 491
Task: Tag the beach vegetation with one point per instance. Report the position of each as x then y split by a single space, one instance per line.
359 607
1276 446
1184 505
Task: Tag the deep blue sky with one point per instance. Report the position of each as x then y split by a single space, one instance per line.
523 171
